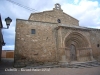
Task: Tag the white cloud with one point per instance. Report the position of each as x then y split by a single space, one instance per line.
8 47
87 12
76 1
19 12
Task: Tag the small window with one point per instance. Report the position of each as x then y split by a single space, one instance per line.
98 45
59 21
33 31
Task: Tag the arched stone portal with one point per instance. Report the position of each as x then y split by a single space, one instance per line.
77 47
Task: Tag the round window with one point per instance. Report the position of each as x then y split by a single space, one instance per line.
59 21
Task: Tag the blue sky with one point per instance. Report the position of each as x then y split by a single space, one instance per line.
86 11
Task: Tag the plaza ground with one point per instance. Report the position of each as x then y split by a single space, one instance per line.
6 64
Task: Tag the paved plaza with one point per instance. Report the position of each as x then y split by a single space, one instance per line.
6 68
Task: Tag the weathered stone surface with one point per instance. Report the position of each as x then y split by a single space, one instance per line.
55 42
53 15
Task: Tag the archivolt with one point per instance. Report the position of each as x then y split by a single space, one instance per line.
77 39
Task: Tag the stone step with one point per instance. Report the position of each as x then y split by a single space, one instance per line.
19 65
71 65
45 66
87 64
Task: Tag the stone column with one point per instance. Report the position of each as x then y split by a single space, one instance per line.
63 60
67 53
64 57
91 54
78 54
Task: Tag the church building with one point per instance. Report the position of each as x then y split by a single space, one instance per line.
54 36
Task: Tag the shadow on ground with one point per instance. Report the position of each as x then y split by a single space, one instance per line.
6 63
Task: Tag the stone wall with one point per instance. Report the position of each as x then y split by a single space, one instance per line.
82 37
53 15
38 47
50 41
95 43
3 54
48 44
85 53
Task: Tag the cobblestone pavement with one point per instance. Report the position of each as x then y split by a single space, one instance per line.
46 71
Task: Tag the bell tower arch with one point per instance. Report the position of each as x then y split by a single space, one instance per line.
57 6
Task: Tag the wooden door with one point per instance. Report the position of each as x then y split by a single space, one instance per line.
72 52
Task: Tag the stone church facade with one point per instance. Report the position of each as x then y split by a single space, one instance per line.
54 36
